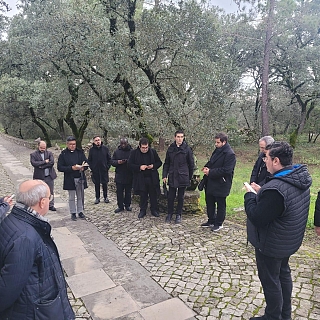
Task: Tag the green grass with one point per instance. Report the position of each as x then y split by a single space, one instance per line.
304 153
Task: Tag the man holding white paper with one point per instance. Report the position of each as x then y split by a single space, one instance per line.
72 162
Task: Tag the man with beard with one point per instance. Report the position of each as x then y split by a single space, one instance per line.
277 217
43 161
123 177
145 162
178 170
219 174
99 160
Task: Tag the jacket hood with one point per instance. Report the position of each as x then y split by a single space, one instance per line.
128 147
296 175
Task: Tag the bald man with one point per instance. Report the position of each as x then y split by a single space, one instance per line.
42 160
32 284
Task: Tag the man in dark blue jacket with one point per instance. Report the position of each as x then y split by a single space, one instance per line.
277 217
99 160
178 170
218 173
123 177
32 283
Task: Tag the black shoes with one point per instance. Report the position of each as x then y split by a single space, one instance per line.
73 217
97 201
52 208
106 200
168 218
129 208
258 318
178 218
81 215
217 228
206 225
155 213
141 214
118 210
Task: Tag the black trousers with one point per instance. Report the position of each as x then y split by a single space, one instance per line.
104 190
123 194
171 196
151 192
216 209
276 281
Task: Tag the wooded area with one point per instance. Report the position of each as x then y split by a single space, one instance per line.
126 67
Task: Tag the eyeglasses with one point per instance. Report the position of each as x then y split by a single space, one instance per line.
50 197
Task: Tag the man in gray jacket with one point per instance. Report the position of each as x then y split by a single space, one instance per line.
43 161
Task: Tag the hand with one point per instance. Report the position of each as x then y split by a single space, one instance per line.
8 200
150 166
255 186
143 167
121 161
206 170
317 230
46 161
76 167
165 180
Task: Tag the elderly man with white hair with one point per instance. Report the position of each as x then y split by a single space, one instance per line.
32 284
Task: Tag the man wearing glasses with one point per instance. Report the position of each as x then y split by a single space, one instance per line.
144 163
72 162
259 171
277 217
32 283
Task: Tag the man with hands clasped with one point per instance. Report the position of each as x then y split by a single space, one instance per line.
144 163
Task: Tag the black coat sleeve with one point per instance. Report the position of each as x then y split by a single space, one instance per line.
317 211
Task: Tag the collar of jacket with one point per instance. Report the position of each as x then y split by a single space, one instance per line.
23 213
96 147
173 147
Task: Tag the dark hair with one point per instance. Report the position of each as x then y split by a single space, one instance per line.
143 141
222 136
177 132
97 136
71 138
282 150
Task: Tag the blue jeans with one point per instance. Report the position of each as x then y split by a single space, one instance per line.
276 281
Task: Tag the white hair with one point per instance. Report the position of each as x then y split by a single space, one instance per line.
267 139
32 196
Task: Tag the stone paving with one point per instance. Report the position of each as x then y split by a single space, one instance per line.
213 274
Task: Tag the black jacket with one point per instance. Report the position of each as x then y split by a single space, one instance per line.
178 165
259 172
66 160
99 160
135 162
40 165
317 211
123 172
32 284
282 236
221 165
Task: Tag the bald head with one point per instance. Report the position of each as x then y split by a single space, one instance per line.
34 194
42 146
123 142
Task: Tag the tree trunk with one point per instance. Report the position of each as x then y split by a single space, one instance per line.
43 129
265 72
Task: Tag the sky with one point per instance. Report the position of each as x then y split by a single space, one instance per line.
228 5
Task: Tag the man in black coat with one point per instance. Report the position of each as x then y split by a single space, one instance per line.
317 215
99 160
219 172
145 163
123 177
177 171
43 161
72 162
259 172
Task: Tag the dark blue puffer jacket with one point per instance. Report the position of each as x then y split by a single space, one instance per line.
32 284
